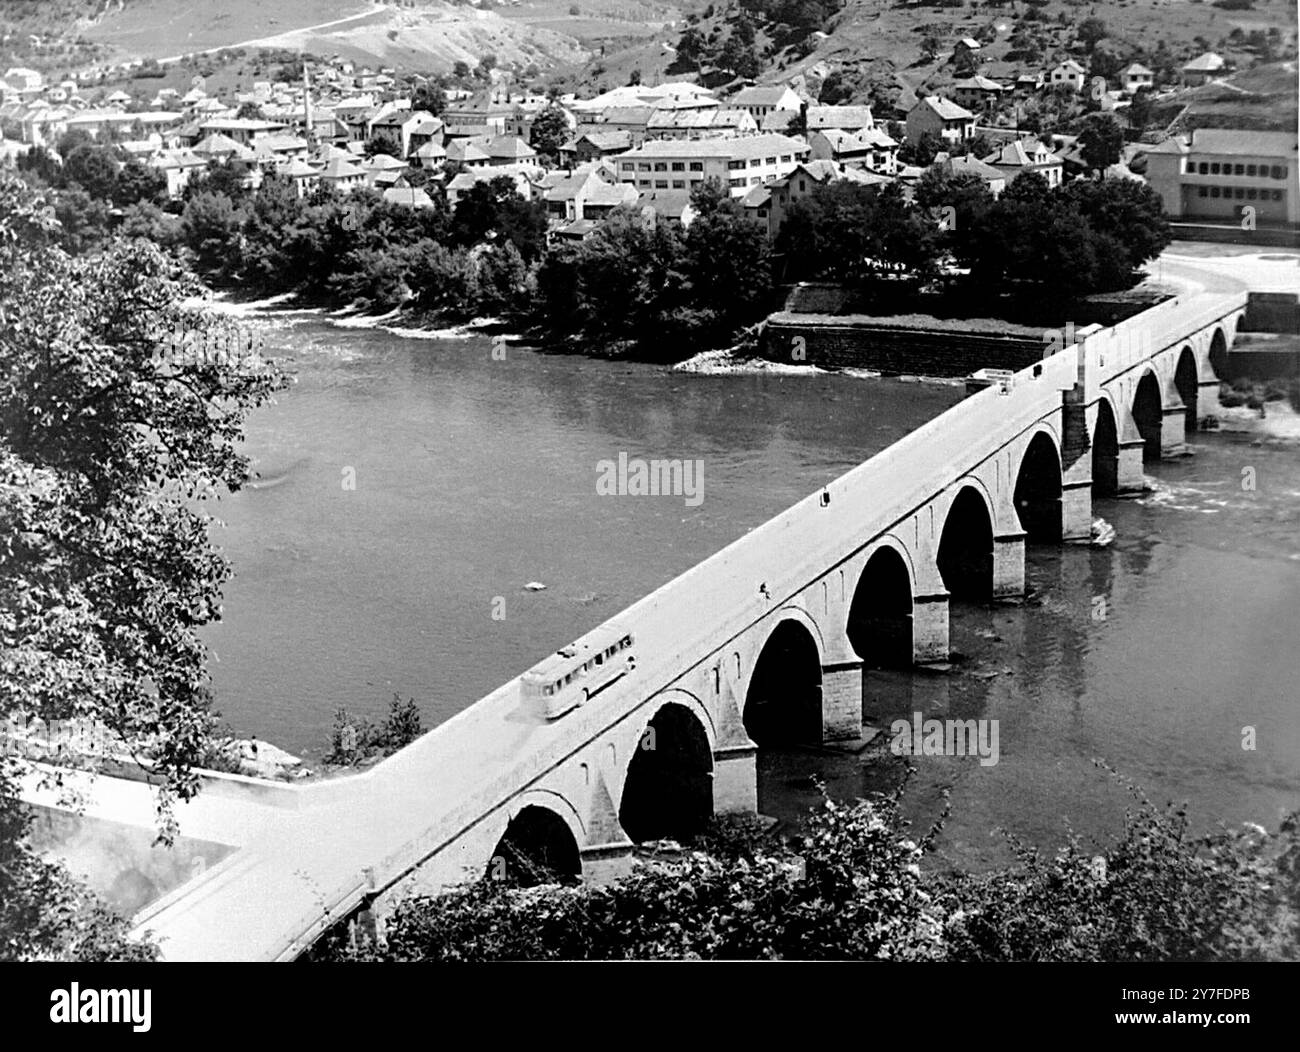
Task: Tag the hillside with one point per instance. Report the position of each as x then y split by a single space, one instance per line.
428 35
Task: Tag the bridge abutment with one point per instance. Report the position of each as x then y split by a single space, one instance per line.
1009 566
930 628
841 701
606 863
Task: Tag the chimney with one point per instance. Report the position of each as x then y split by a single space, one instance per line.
309 132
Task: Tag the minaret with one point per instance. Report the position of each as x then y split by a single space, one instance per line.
309 131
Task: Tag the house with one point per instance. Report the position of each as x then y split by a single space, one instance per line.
1218 172
738 163
1027 84
992 177
468 152
304 177
430 155
424 133
977 92
592 146
630 119
244 131
523 180
410 196
670 206
510 149
1068 74
1135 76
942 118
218 147
1203 68
770 203
871 149
394 131
845 118
383 170
482 114
590 192
760 101
342 175
698 123
1027 155
22 80
967 49
179 167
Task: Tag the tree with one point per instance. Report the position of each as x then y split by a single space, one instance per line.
93 168
136 183
210 225
250 110
1100 141
1091 30
83 221
1130 214
549 131
494 210
113 441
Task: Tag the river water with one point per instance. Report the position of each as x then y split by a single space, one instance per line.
474 476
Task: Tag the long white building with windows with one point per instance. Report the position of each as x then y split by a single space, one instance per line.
739 163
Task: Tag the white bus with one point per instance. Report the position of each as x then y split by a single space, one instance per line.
577 673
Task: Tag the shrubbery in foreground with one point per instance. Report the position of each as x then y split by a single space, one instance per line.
852 888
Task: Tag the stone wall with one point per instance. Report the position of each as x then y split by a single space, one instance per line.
895 351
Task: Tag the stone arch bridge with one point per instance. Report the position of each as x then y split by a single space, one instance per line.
770 640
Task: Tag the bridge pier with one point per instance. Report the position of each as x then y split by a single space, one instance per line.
606 863
841 701
1173 431
1131 477
1076 509
930 628
1009 566
735 779
1207 401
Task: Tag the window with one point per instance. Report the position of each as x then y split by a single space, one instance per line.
1277 195
697 166
1239 193
628 166
1214 168
643 167
770 160
646 183
754 181
1252 194
1201 191
1238 169
762 213
1277 172
754 162
803 185
786 158
1214 191
735 182
661 166
679 184
1204 168
661 184
679 166
1252 169
734 165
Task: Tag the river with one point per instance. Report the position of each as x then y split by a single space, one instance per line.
474 476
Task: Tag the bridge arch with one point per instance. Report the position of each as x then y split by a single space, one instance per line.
965 554
539 844
1148 414
668 790
1219 353
880 614
1105 450
1037 495
783 699
1187 383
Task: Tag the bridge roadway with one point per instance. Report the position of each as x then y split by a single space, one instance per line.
435 813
